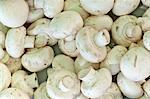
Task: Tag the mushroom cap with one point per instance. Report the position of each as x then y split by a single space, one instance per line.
37 59
128 87
5 77
93 85
64 86
71 20
13 93
88 48
146 40
63 62
123 7
97 7
7 10
146 2
132 63
14 42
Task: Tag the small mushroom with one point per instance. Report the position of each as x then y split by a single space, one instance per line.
64 86
16 41
72 23
13 93
37 59
97 7
99 22
91 44
146 2
146 40
41 92
24 82
5 77
113 58
128 87
63 62
124 7
132 63
75 5
50 7
126 31
13 13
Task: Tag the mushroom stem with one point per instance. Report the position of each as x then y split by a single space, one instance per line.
32 80
102 38
29 42
66 83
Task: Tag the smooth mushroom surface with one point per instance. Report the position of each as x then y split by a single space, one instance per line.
146 40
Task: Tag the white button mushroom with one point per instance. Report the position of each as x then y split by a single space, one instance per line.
13 13
113 58
91 43
16 41
95 83
64 86
132 63
37 59
128 87
50 7
126 31
5 77
24 82
13 93
123 7
65 24
97 7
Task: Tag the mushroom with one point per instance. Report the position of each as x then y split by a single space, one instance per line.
75 5
41 92
128 87
124 7
50 7
68 47
72 23
132 63
81 96
113 58
5 77
24 82
91 44
146 40
146 2
7 10
63 62
146 87
13 93
97 7
64 86
37 59
99 22
94 83
16 41
126 31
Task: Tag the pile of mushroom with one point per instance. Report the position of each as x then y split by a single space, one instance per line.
74 49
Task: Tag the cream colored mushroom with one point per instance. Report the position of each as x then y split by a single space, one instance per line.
24 82
50 7
124 7
81 96
126 31
75 5
91 44
128 87
68 47
113 58
13 13
13 93
146 40
132 63
72 23
94 83
41 92
97 7
99 22
146 2
5 77
16 41
63 62
64 86
37 59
